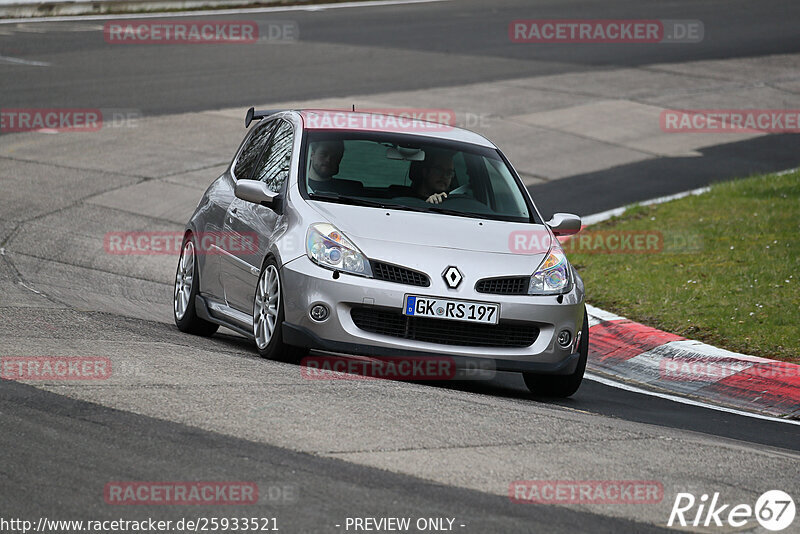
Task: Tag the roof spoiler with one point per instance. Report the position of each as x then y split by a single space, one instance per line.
253 114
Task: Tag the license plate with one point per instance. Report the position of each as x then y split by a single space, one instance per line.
456 310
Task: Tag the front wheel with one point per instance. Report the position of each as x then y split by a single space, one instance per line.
268 316
562 385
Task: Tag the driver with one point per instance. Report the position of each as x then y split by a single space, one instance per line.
434 177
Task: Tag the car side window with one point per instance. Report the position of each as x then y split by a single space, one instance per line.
252 150
273 169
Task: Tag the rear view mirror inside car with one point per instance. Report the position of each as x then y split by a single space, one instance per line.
405 153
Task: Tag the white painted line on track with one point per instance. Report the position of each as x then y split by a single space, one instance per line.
684 400
29 288
215 12
605 215
19 61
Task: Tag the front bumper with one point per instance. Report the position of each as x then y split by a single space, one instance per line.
306 284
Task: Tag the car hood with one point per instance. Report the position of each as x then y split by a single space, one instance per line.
435 229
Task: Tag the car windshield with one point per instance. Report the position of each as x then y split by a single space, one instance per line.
411 173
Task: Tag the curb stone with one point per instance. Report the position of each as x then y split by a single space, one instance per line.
629 351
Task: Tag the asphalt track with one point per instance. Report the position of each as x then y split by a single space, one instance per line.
59 450
370 50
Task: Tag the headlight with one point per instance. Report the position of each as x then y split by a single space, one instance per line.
552 276
328 247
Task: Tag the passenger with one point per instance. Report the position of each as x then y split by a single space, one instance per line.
325 159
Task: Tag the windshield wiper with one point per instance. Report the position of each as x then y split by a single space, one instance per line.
446 211
355 201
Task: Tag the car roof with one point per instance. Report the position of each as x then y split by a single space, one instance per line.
405 121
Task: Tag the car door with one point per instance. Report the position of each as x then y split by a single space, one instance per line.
214 207
221 194
253 224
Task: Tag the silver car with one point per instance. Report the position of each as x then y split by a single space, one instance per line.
383 236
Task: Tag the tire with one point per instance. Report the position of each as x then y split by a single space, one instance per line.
187 283
562 386
268 316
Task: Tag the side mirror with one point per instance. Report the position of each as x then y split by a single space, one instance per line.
256 192
565 224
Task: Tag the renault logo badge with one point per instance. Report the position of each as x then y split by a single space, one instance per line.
452 276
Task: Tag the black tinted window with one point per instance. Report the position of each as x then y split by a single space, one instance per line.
274 166
252 150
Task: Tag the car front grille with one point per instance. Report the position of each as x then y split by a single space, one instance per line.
443 331
401 275
517 285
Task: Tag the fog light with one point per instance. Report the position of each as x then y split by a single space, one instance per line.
564 337
319 312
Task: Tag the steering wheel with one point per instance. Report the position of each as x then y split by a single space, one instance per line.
467 201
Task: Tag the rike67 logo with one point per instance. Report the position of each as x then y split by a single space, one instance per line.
774 510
